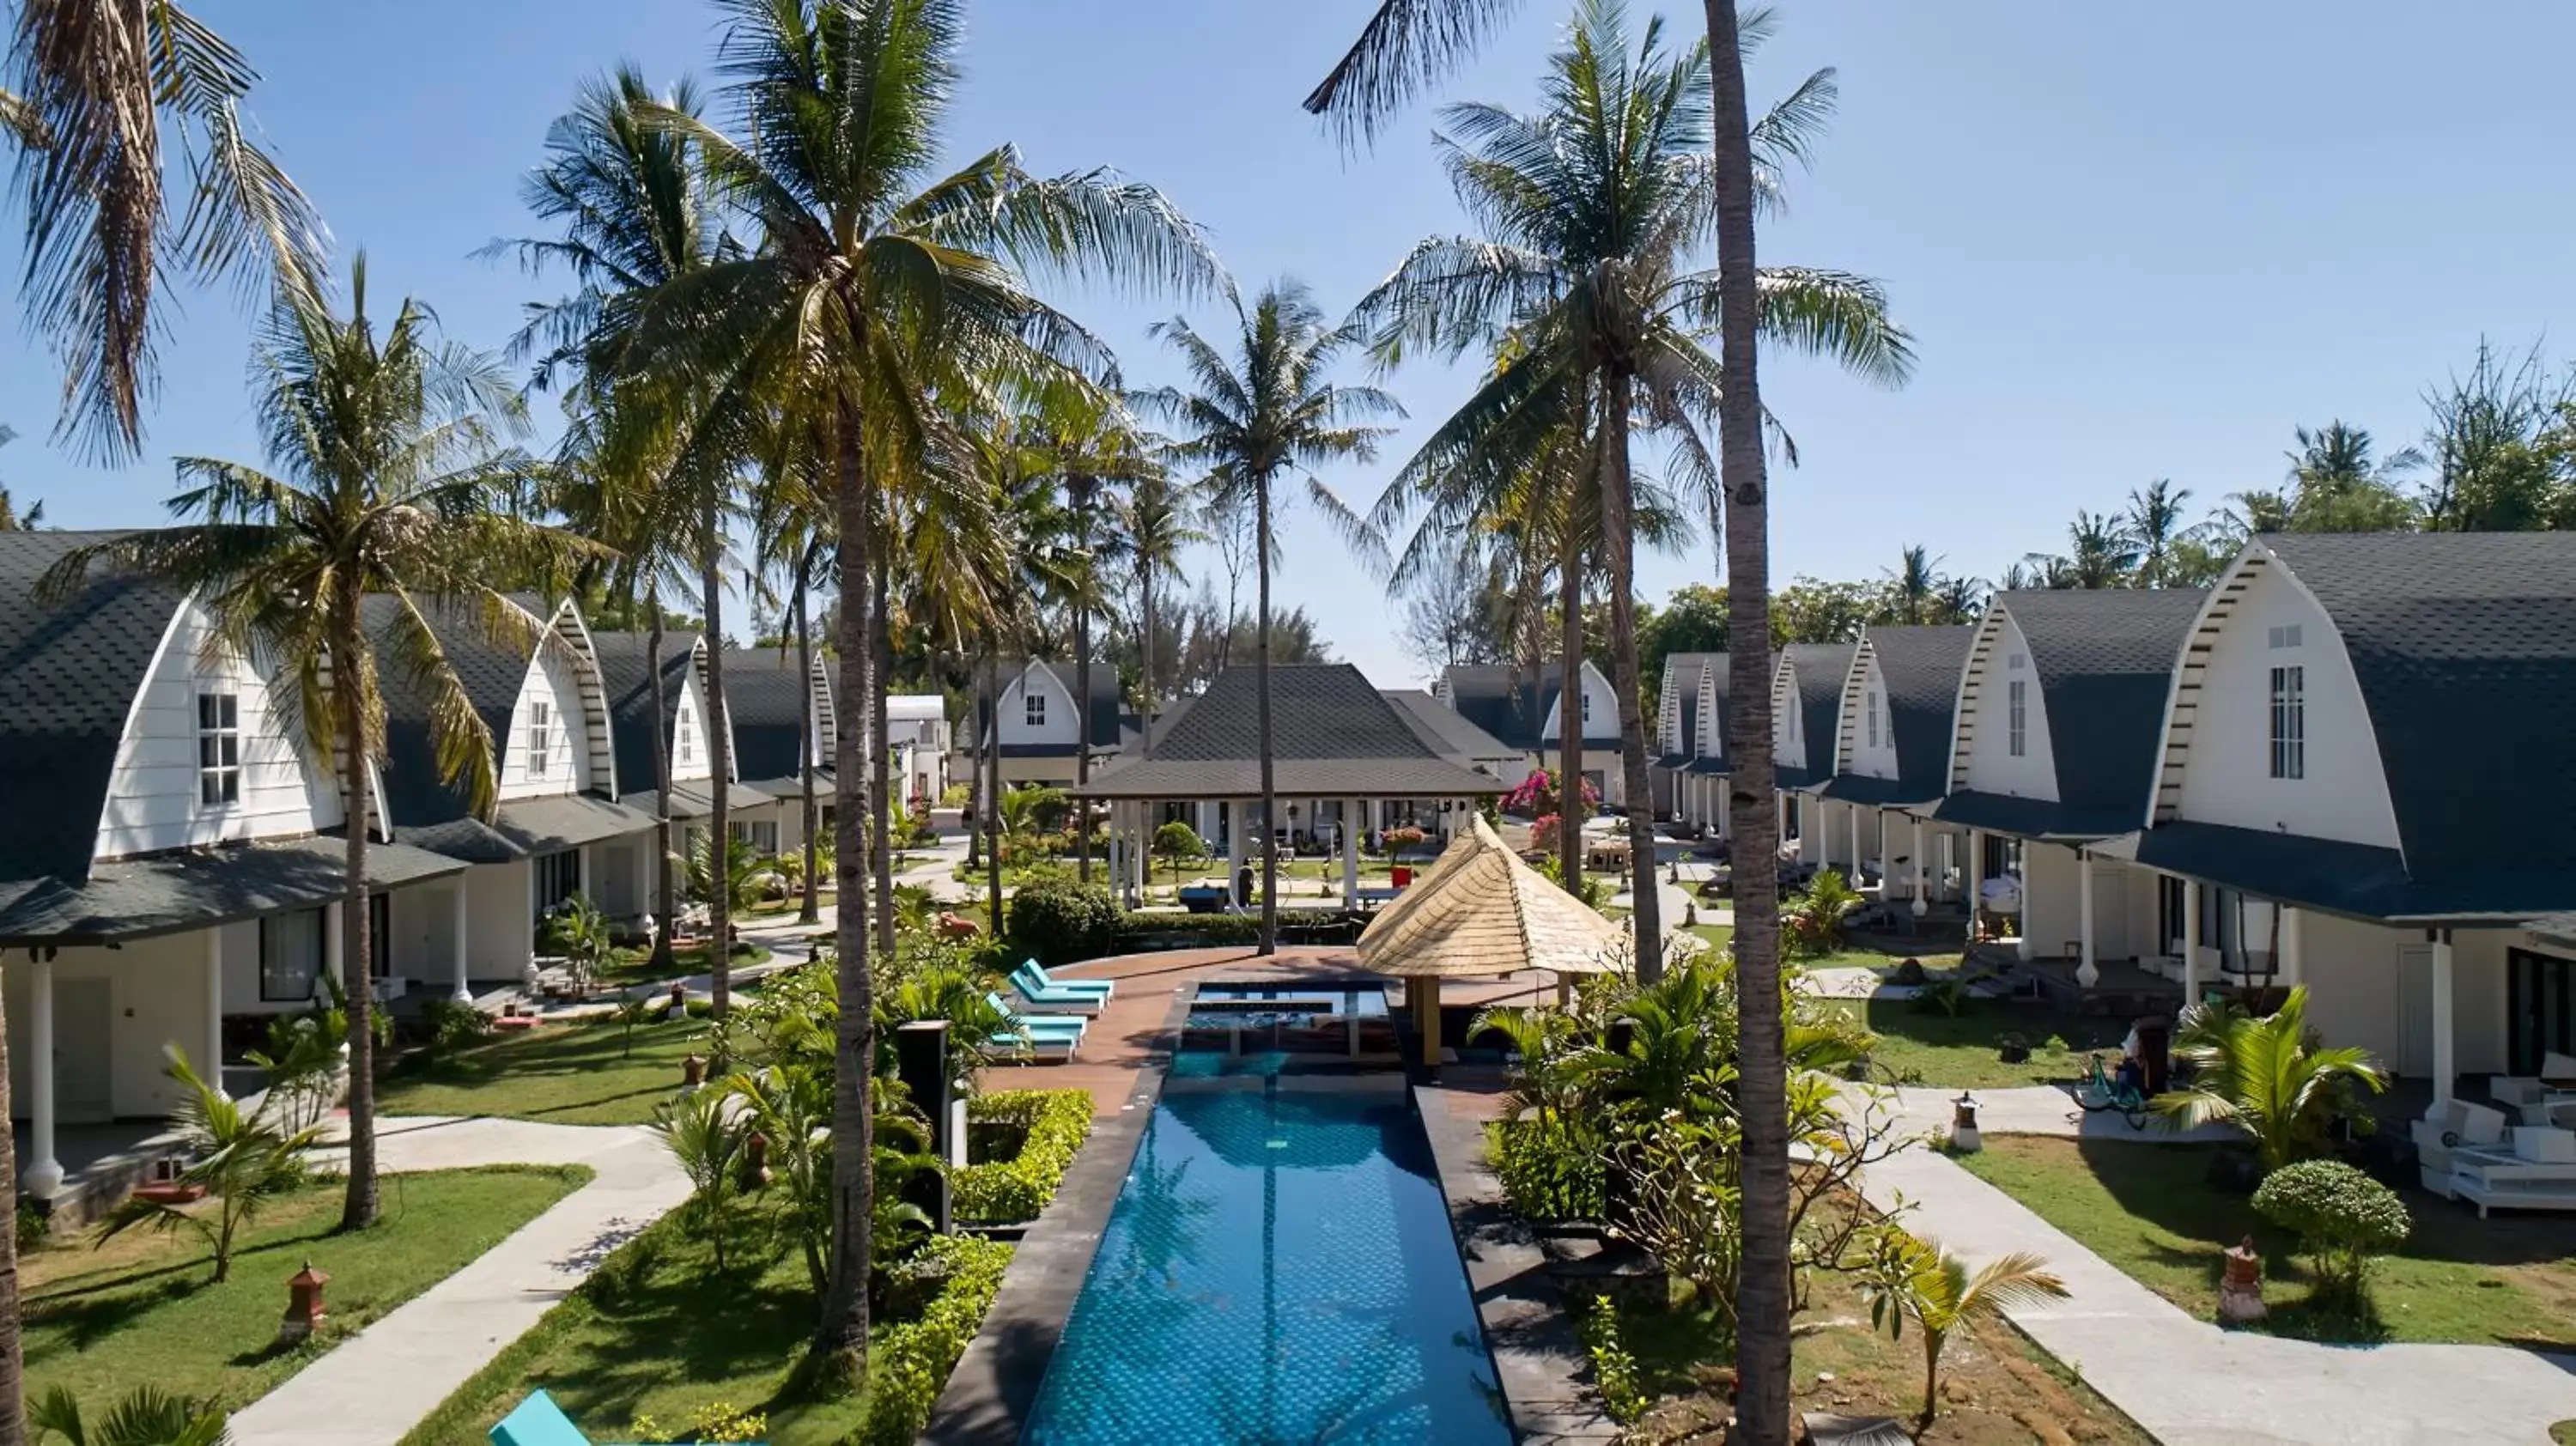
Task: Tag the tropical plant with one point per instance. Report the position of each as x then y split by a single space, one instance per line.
1176 843
947 990
1595 215
241 1159
1914 1279
1812 923
706 1136
1026 811
302 1056
789 1106
1260 417
578 931
91 87
2336 484
143 1416
2268 1076
744 874
393 510
2344 1217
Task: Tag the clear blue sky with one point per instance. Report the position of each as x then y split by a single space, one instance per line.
2132 241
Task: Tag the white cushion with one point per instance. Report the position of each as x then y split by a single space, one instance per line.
2479 1125
2554 1065
2541 1146
2509 1090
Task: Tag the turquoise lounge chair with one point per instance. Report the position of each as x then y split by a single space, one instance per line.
1037 971
1039 1027
1045 998
538 1421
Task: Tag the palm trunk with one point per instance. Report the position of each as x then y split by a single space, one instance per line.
1080 487
1618 540
842 1333
1569 705
992 790
1762 1305
810 911
359 1210
881 793
13 1354
720 766
1269 766
1145 704
665 878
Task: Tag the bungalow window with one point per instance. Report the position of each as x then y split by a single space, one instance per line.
2289 722
558 878
1034 712
290 955
2017 718
684 740
1871 710
541 736
218 749
1587 710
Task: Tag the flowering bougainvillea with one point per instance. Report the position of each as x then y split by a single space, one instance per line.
1537 794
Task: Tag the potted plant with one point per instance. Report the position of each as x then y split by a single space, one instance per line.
2012 1048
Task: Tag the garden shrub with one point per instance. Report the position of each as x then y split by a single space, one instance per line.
1138 933
1547 1171
452 1024
1614 1369
2343 1216
909 1361
1058 921
1005 1192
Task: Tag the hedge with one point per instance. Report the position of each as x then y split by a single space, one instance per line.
1139 933
1058 921
910 1361
1006 1192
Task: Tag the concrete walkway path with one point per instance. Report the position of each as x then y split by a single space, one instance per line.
377 1385
2191 1384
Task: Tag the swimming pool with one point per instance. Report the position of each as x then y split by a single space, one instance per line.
1270 1024
1279 1267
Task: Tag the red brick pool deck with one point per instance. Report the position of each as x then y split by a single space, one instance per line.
1124 1037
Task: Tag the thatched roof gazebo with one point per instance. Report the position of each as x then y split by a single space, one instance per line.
1479 911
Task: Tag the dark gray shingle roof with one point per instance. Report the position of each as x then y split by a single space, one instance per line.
1445 729
630 698
188 889
765 697
1819 670
1332 734
491 673
69 674
1920 666
1511 702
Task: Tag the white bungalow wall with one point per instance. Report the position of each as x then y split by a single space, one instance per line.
153 800
154 995
553 678
1868 697
1603 719
1788 723
2227 776
1059 722
1992 765
2371 987
1711 742
690 758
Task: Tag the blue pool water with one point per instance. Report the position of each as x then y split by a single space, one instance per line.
1279 1268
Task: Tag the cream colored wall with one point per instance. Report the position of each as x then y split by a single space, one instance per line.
156 997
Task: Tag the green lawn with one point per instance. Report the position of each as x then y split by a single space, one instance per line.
660 1332
562 1074
2510 1280
143 1308
1918 1044
630 967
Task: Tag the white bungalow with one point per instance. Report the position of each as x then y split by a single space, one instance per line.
2365 770
1521 706
174 855
2054 746
783 729
1891 759
1040 728
1806 695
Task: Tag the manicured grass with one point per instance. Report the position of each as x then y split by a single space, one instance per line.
2563 1433
562 1074
143 1308
1716 936
2509 1280
1997 1388
659 1331
630 967
1918 1044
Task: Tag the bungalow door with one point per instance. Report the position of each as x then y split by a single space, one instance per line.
2540 1009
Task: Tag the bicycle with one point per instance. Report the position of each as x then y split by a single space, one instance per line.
2101 1090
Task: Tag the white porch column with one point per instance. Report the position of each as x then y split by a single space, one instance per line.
456 944
2444 1070
1972 881
211 1062
1351 853
588 887
645 845
2088 972
42 1175
2293 962
1922 905
1856 870
334 963
2190 942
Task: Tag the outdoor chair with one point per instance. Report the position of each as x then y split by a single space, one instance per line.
1058 1047
1102 988
1047 999
2536 1172
1038 1026
2447 1127
2527 1098
2559 1069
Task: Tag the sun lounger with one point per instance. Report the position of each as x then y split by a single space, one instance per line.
2538 1172
1038 1026
1057 1047
538 1421
1038 972
1047 999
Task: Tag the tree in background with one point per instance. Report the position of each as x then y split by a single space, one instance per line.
2337 484
2502 447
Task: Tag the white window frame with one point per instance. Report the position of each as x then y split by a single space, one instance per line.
1869 711
273 952
2017 717
541 739
1033 708
1587 708
2287 754
684 739
219 766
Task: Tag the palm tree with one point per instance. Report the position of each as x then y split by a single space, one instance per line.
632 203
1155 521
879 286
1260 417
1594 212
13 520
2266 1077
2337 485
1917 1280
1915 588
90 86
2100 552
144 1416
392 509
2154 528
